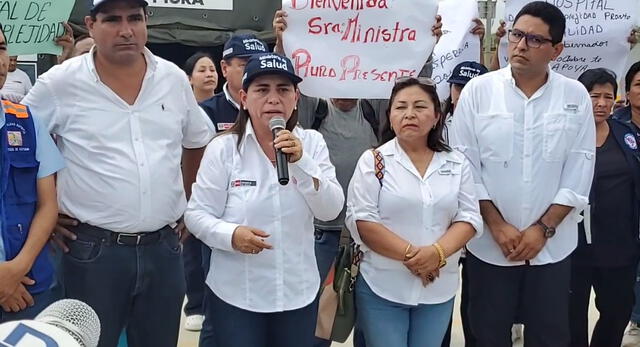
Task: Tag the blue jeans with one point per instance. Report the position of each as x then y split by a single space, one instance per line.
635 315
140 287
206 334
386 323
194 275
235 327
327 243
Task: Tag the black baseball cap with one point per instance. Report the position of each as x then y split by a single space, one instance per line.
243 46
97 4
465 71
268 64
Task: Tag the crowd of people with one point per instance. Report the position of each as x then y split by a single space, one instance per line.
156 186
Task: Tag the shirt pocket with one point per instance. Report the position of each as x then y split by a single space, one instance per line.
560 129
495 136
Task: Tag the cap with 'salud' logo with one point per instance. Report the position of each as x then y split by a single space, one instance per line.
268 64
97 4
465 71
244 46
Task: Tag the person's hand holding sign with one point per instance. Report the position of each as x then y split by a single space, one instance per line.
633 37
279 26
436 29
65 41
478 29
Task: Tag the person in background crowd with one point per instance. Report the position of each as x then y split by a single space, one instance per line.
17 83
223 110
629 116
203 78
530 137
460 76
608 249
349 126
263 271
124 123
83 45
409 272
203 75
28 207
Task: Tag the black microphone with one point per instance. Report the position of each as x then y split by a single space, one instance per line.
277 124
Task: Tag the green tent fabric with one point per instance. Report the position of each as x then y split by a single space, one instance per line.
200 27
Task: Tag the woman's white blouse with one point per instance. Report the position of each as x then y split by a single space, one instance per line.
239 186
418 209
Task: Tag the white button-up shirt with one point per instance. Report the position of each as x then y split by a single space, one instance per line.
123 161
526 154
239 186
418 209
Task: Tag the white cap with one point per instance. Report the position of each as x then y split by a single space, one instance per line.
96 3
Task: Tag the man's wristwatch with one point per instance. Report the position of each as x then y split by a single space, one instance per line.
547 230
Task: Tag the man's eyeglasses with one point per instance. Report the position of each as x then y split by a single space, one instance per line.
422 80
532 40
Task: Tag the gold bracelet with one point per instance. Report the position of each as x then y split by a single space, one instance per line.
406 251
440 250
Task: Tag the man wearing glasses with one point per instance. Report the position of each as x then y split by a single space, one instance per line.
530 137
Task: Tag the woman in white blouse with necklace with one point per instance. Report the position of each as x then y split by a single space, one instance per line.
263 279
411 224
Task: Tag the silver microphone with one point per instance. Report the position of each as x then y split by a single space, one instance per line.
74 317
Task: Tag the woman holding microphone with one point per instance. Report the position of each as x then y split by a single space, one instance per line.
263 278
411 219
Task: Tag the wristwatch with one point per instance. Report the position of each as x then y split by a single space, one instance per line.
547 230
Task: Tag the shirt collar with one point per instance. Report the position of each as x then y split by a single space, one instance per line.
439 159
152 62
248 133
225 89
508 75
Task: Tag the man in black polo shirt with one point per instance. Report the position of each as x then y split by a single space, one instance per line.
223 107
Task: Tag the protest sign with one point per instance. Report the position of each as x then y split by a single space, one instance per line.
357 48
596 34
457 43
194 4
31 26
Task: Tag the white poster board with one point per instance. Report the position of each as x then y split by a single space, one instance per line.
457 43
357 48
194 4
596 34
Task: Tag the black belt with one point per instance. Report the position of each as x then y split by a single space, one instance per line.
124 239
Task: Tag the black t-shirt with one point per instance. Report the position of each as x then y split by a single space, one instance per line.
613 232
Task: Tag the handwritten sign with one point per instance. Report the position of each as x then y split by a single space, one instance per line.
457 44
31 26
357 48
596 34
194 4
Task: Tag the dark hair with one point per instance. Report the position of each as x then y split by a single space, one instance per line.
435 140
549 14
2 31
190 64
631 74
593 77
93 13
240 126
